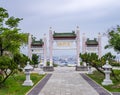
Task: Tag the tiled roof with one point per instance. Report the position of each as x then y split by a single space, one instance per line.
64 35
37 43
92 42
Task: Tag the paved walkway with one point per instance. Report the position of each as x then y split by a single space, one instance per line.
66 81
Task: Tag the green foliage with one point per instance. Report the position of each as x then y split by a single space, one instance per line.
55 65
12 22
13 86
117 72
108 56
10 41
7 68
94 61
112 88
10 38
116 64
81 63
6 62
111 58
35 59
48 63
3 15
20 59
114 39
91 58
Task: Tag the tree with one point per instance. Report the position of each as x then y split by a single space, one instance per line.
20 59
10 41
114 39
35 59
108 56
96 62
93 60
111 58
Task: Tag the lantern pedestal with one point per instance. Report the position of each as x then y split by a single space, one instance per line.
107 70
107 80
41 72
28 83
28 69
89 70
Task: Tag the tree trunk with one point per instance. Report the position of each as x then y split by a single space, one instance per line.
95 66
100 70
6 78
1 52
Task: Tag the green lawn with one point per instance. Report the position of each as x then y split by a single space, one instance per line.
13 86
98 77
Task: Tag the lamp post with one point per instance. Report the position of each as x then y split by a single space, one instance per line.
28 69
107 70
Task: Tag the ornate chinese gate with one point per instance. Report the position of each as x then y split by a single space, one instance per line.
65 40
38 47
92 46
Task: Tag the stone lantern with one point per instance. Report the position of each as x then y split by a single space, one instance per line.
89 69
28 69
107 70
41 69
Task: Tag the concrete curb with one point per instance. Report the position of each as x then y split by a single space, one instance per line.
44 78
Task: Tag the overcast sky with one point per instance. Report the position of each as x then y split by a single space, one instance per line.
92 16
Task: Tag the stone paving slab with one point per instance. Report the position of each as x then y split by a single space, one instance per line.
66 82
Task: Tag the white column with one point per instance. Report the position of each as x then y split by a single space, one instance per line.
29 46
99 45
45 50
84 47
78 45
51 46
83 43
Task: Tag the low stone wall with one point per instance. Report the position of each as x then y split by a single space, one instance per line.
48 68
81 68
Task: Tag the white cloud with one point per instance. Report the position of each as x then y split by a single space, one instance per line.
55 7
64 15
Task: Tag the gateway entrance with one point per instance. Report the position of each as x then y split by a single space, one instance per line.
62 41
